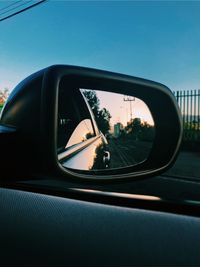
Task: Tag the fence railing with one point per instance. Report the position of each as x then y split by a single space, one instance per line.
189 103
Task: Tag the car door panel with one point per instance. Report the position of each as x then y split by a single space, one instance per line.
43 230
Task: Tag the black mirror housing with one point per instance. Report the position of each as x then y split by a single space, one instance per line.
32 110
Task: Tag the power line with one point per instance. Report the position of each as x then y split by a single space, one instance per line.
23 4
3 8
23 10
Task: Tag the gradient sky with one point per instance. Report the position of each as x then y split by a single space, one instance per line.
120 110
154 40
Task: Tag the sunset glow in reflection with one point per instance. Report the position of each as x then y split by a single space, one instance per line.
121 110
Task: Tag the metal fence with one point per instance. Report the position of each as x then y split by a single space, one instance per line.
189 103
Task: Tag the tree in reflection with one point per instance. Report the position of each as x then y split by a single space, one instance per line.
102 116
140 130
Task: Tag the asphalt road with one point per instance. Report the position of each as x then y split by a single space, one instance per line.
182 181
186 166
127 152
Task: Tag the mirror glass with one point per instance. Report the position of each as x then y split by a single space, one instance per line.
102 130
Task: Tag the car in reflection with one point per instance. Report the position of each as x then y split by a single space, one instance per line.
80 145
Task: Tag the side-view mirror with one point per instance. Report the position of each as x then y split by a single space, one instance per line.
103 135
85 123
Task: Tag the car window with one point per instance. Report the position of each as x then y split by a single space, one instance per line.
156 40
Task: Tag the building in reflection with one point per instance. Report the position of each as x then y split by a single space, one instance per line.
118 128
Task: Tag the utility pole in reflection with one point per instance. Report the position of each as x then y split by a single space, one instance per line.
129 99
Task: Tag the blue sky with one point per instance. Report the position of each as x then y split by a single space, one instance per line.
154 40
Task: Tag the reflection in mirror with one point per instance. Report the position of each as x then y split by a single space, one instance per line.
103 130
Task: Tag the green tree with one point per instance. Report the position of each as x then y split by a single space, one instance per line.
102 116
3 97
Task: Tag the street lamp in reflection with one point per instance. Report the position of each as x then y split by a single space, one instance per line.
130 99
